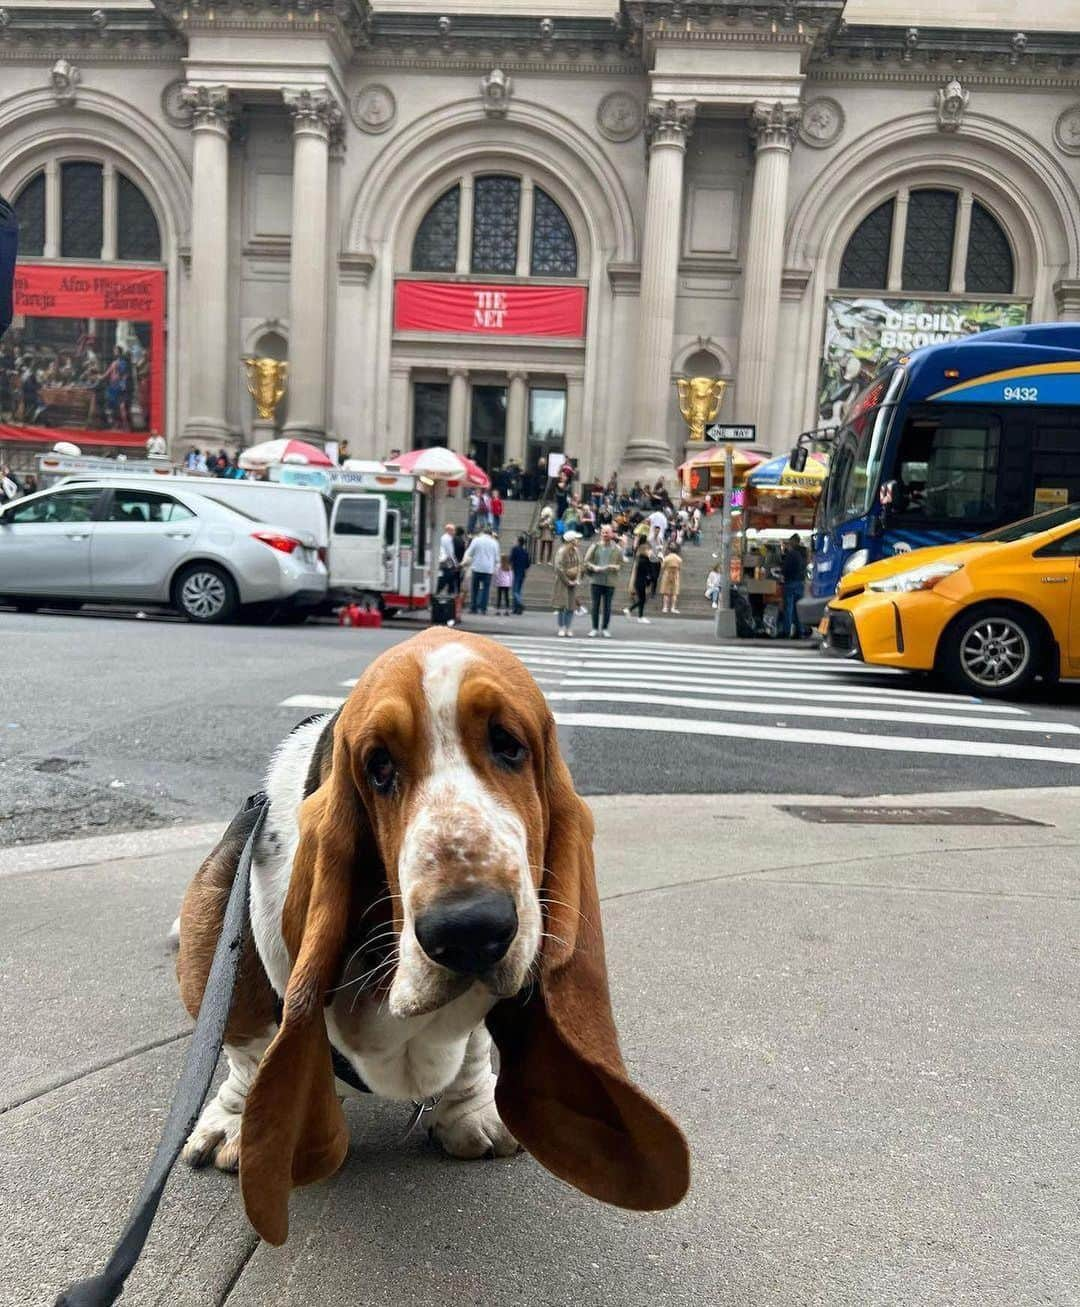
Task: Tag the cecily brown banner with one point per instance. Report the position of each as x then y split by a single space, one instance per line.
465 307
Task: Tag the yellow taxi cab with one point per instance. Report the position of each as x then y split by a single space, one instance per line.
989 614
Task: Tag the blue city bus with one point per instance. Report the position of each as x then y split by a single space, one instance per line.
948 442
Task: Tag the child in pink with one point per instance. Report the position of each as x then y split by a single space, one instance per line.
504 579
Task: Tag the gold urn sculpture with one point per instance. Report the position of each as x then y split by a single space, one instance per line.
265 383
699 402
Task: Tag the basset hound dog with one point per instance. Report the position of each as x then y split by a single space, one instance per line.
422 886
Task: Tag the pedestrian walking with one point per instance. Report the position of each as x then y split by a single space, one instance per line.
671 579
519 565
567 578
640 575
496 512
602 562
482 556
504 579
448 563
793 576
460 544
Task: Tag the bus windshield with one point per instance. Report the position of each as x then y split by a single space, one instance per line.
855 466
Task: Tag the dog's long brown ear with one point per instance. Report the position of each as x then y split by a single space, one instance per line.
293 1130
563 1089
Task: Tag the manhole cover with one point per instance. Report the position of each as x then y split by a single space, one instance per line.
898 815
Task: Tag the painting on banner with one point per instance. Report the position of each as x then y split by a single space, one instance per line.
863 334
84 358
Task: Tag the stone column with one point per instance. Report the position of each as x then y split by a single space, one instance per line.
773 128
574 443
109 207
517 404
207 372
525 228
464 233
316 116
647 454
52 209
458 419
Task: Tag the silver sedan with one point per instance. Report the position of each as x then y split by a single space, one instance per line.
121 543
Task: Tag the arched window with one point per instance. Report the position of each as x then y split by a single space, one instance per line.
87 191
866 256
554 250
30 211
436 243
496 207
494 236
936 241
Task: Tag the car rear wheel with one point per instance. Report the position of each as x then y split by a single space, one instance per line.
994 650
205 593
26 605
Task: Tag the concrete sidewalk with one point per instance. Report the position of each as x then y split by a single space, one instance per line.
867 1033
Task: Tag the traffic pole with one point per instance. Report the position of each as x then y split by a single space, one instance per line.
725 544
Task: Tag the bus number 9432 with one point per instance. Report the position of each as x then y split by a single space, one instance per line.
1025 394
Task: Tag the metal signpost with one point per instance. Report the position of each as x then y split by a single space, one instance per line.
728 436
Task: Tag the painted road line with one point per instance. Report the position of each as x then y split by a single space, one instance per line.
705 684
851 672
748 706
615 662
831 739
313 701
660 653
901 698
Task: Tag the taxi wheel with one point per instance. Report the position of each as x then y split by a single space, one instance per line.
994 650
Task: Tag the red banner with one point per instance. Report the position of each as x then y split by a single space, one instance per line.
85 353
466 307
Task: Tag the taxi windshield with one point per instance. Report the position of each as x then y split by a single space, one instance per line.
1031 526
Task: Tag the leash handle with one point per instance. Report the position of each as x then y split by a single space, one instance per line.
198 1071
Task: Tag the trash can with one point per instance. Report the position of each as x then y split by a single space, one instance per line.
443 610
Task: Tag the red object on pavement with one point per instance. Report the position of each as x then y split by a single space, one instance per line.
354 615
499 310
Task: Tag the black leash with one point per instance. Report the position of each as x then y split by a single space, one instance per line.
202 1056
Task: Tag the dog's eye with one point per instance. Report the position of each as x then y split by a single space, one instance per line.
507 748
381 771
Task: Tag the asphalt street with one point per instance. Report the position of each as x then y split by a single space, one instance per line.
112 722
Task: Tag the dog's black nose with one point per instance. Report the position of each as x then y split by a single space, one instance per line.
468 933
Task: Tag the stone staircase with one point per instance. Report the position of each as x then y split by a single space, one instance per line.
697 560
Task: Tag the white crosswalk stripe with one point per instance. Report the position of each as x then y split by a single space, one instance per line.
789 697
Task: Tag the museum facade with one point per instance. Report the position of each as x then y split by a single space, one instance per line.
511 228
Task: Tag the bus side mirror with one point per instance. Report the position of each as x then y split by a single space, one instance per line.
797 458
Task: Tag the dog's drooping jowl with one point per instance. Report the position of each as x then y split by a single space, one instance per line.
422 886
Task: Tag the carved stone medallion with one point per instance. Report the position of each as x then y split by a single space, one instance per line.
173 107
619 116
1067 130
373 108
822 122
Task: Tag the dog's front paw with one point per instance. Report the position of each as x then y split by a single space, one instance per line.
473 1129
216 1138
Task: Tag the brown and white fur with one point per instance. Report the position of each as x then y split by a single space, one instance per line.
342 871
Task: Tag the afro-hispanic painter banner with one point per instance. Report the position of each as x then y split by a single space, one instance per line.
85 352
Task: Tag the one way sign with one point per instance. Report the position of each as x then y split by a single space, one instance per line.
722 435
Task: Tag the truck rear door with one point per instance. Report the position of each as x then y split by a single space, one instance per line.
357 549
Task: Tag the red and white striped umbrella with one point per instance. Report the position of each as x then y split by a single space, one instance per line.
284 450
442 464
